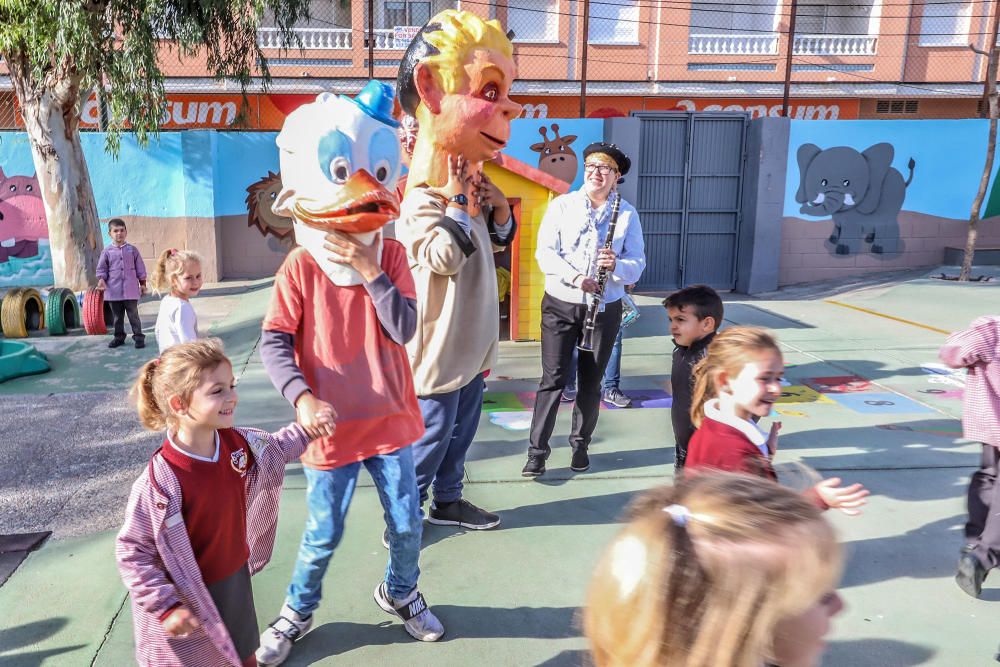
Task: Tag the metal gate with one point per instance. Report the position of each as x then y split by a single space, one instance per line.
690 191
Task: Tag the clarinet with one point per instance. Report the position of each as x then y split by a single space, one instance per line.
587 338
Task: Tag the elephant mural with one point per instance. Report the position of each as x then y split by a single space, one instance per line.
861 192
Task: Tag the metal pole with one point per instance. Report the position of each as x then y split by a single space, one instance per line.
371 39
788 60
583 62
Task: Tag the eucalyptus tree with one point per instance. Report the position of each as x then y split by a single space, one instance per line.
58 51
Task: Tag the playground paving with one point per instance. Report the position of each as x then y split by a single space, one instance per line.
866 401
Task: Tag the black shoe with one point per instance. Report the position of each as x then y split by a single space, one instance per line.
462 513
535 466
116 343
970 575
139 344
580 461
615 397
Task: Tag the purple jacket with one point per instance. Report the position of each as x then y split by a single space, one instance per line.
158 565
122 269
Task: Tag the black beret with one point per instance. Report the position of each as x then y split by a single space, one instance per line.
624 164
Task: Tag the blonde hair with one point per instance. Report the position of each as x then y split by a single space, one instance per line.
169 265
177 372
708 593
729 351
457 33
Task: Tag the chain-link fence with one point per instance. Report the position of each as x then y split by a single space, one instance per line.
849 58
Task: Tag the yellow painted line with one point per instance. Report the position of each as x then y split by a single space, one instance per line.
888 317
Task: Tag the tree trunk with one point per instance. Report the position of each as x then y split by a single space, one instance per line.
51 119
991 144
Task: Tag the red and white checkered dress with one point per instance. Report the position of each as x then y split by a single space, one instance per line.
158 565
978 350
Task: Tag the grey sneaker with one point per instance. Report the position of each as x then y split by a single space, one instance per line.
276 641
462 513
417 617
615 397
568 395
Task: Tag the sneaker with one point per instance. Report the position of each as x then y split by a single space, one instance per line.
276 641
417 617
462 513
615 397
580 461
385 538
568 395
970 574
115 343
534 467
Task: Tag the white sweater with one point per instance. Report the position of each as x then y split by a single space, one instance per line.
176 323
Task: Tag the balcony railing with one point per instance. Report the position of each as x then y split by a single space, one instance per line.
383 38
835 45
312 38
733 44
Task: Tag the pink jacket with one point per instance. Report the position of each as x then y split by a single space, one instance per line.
978 349
157 562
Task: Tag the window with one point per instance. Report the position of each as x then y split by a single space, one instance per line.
897 106
614 22
400 13
831 19
709 17
945 24
533 20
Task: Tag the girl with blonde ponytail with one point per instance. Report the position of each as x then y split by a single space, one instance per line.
201 518
737 383
178 274
723 570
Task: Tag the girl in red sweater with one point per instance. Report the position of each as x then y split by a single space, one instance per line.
736 384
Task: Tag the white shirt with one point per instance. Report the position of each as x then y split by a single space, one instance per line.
568 243
744 426
176 323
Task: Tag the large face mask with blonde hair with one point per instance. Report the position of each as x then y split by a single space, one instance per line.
340 160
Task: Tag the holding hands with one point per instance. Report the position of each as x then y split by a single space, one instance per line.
317 417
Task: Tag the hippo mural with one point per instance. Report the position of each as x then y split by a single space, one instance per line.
22 217
861 192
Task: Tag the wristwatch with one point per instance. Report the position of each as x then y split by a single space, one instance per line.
460 199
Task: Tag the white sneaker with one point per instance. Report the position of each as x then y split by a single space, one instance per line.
276 642
417 617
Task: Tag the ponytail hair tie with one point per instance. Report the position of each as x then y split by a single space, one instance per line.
680 514
156 362
172 251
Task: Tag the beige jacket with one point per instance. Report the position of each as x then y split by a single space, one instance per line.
458 320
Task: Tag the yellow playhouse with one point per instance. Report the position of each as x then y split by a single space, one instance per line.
529 191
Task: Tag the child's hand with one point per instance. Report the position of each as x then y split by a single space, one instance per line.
846 498
143 290
101 285
181 622
315 416
772 438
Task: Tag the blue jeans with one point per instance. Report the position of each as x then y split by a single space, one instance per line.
450 423
328 495
613 372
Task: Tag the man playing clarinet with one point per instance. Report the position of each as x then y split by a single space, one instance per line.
583 264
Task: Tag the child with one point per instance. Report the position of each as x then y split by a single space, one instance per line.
695 314
740 378
724 569
978 349
178 271
201 518
122 277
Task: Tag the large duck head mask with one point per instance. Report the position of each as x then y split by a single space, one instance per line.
340 159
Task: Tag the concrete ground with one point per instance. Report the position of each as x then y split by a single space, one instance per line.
70 446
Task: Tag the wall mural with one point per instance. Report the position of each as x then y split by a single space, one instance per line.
25 258
860 191
260 196
556 157
870 195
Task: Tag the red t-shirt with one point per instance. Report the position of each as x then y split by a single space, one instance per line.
718 446
214 504
346 358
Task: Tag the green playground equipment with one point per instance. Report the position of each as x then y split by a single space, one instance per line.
18 358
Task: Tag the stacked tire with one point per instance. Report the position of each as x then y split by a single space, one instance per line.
97 315
62 311
21 311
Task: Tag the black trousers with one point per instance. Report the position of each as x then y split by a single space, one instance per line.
562 324
983 527
131 308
